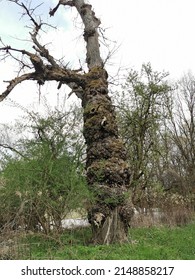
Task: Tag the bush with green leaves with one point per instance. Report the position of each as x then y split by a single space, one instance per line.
45 183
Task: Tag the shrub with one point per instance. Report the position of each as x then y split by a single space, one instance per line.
45 182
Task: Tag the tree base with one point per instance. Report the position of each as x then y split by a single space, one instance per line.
113 230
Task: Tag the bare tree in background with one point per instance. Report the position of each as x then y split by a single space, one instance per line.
107 170
182 132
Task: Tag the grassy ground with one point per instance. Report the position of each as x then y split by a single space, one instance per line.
156 243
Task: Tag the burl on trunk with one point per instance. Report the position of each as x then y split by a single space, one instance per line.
108 173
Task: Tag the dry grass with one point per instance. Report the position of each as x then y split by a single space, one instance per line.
11 247
175 216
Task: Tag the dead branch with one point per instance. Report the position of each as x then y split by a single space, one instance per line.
15 82
35 59
61 2
45 66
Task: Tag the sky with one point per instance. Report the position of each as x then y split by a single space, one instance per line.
157 31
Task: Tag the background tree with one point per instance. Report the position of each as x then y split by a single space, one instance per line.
142 110
181 133
156 122
107 170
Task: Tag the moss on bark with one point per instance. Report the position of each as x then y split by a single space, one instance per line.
108 173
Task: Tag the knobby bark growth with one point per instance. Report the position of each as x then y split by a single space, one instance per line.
108 173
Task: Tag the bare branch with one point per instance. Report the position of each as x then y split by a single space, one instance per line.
28 11
78 90
42 50
37 27
8 147
54 71
61 2
13 83
35 59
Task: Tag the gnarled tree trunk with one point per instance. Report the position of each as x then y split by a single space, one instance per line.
107 170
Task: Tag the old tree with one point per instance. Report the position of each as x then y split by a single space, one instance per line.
107 171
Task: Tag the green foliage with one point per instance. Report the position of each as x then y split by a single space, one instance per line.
141 114
156 122
147 244
41 190
43 185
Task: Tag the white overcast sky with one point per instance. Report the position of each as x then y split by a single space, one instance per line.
157 31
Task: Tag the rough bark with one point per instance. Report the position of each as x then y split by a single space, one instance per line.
107 170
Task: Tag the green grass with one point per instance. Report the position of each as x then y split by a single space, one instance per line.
158 243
